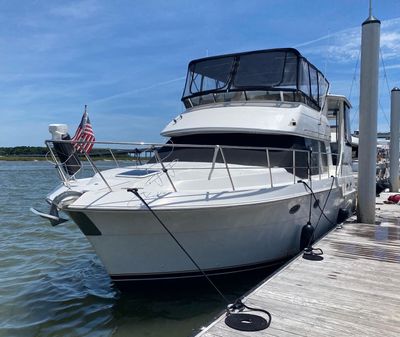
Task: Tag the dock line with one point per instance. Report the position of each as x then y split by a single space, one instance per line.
235 317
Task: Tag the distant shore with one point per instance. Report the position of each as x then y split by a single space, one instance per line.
21 158
32 158
37 153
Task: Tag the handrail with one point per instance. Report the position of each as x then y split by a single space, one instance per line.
216 150
227 168
59 170
59 165
115 160
269 168
164 169
153 147
96 169
294 166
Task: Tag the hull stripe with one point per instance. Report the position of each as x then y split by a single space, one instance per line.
193 274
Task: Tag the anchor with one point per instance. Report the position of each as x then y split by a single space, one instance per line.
53 215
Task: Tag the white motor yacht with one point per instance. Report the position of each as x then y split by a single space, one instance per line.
245 168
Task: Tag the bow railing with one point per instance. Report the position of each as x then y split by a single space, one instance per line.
301 163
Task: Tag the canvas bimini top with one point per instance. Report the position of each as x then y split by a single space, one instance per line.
273 74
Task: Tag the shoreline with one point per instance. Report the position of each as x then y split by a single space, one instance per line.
18 158
23 158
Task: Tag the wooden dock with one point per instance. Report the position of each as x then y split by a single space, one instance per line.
353 291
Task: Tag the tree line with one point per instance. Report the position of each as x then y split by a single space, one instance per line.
41 151
23 151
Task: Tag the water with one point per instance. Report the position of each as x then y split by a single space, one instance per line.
53 284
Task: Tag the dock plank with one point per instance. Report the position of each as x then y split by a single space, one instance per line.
353 291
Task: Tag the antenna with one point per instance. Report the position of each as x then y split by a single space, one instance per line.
370 8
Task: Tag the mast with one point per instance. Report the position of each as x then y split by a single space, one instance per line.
368 109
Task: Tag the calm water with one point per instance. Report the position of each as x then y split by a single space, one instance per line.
53 284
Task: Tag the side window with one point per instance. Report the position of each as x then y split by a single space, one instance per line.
209 75
324 157
347 130
333 123
319 157
314 84
313 145
305 78
322 88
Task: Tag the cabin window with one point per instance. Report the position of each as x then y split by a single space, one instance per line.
322 88
338 110
319 156
347 130
314 83
333 123
210 75
256 70
251 157
280 74
290 73
304 78
323 157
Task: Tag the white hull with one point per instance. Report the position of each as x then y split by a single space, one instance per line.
134 246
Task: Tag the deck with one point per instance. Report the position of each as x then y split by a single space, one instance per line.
353 291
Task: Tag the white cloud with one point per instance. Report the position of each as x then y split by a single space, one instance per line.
390 44
21 76
344 46
135 91
77 10
393 66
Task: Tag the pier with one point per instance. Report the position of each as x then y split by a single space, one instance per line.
353 291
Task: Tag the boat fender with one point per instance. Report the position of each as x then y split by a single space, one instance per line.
343 214
307 233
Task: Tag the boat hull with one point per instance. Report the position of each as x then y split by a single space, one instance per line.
134 246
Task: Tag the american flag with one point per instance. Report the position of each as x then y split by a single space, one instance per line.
84 133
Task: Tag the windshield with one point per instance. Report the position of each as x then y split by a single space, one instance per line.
256 70
210 75
265 75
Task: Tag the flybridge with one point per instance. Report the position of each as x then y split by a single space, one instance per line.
274 74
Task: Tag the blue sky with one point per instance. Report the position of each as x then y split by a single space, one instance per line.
127 59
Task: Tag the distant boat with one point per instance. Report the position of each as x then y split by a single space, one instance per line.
246 166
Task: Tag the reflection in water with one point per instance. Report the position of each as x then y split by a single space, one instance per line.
180 308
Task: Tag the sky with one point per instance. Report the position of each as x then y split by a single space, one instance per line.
127 60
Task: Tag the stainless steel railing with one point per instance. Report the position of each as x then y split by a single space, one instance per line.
218 149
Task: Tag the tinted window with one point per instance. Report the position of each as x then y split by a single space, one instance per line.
278 158
314 83
209 75
257 70
304 78
347 129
